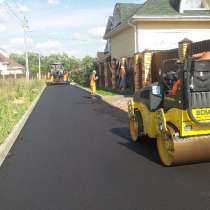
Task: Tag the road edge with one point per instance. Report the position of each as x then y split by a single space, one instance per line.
103 98
11 139
86 89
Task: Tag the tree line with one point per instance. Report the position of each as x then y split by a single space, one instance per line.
80 69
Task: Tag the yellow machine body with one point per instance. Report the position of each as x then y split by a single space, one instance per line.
57 75
180 123
51 79
179 118
192 142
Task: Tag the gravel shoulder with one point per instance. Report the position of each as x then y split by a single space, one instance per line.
118 101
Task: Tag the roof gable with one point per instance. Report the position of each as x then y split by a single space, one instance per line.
174 8
109 25
9 62
157 9
123 11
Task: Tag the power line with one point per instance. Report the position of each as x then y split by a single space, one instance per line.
26 44
18 21
12 11
18 6
26 29
24 24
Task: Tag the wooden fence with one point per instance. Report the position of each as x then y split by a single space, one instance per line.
144 68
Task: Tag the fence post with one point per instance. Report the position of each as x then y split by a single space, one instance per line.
123 70
99 71
146 68
137 71
113 69
106 75
185 47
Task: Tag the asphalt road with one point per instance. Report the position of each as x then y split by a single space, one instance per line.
74 154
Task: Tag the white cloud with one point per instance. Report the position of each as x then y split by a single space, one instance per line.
76 32
79 37
84 18
53 2
54 33
2 28
97 32
19 41
23 8
16 45
3 13
49 45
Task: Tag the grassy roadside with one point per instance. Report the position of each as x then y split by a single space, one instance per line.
106 92
109 91
15 98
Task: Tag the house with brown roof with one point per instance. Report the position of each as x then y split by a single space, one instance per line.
9 66
156 25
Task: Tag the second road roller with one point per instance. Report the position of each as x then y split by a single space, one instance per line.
175 112
57 75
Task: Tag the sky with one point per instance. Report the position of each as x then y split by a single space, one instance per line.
75 27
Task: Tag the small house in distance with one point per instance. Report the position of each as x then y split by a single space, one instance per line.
156 25
9 67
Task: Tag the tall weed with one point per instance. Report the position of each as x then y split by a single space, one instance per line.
15 98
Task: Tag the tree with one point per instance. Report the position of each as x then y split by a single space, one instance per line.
18 58
80 70
88 65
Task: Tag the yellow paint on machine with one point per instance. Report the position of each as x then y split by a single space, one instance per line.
179 139
202 114
178 117
182 121
149 120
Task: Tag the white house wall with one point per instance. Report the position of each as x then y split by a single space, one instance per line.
3 69
157 36
122 44
162 38
168 39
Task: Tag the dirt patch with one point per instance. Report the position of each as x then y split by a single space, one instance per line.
118 101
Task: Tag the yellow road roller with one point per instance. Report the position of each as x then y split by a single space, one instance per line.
57 75
175 112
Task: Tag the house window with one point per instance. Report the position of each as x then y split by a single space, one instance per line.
189 5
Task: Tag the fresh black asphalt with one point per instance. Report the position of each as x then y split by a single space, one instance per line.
74 154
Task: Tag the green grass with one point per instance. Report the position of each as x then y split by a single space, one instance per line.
110 92
106 92
15 98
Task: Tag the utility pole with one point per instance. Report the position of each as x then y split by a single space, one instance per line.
26 29
39 66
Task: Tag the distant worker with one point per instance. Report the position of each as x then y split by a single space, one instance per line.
93 79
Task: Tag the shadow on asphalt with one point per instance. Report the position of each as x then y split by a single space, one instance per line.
147 148
122 132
